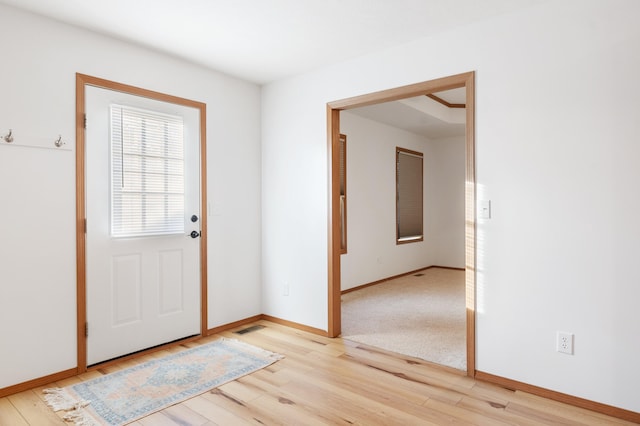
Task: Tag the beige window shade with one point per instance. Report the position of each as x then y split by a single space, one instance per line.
343 193
409 199
147 173
343 164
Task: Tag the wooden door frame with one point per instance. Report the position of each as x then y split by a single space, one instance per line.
466 80
82 81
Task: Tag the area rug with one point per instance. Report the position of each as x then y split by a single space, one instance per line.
128 395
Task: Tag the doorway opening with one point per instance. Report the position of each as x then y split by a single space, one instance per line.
466 81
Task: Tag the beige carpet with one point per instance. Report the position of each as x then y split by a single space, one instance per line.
421 316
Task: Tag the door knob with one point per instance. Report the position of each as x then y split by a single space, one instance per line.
194 234
194 218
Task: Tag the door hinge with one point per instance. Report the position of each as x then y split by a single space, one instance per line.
84 124
86 329
85 225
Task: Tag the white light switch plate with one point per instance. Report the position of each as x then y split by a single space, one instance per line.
485 209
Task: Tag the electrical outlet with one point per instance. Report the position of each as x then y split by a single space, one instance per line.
285 289
564 343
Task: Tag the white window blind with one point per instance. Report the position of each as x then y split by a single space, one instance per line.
147 172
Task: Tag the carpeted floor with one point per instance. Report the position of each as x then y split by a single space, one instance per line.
421 316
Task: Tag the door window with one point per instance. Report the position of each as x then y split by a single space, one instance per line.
147 172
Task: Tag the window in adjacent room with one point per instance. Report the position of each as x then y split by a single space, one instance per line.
409 190
343 194
147 172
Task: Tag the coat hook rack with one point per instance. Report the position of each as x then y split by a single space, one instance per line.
8 138
34 141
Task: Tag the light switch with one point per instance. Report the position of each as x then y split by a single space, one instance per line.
485 209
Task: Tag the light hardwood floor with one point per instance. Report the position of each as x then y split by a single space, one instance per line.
324 381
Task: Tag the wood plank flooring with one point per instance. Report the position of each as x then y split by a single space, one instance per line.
324 381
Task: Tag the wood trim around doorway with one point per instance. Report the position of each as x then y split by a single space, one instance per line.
466 80
82 81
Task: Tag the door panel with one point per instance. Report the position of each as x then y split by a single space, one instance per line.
142 291
171 286
125 285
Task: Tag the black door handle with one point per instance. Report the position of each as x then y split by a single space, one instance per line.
194 234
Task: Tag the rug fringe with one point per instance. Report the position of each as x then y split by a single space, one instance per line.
80 418
60 400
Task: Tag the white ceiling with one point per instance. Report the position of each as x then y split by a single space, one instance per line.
421 115
266 40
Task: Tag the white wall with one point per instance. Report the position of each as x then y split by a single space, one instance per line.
448 209
37 186
372 250
556 126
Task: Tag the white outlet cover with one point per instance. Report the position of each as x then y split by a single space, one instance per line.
564 342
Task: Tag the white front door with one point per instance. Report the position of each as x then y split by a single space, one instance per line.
142 204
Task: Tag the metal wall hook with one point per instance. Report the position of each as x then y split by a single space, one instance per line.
58 142
8 138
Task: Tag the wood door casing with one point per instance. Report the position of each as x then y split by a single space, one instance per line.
466 80
83 80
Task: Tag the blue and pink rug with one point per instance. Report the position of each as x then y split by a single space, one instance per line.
127 395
